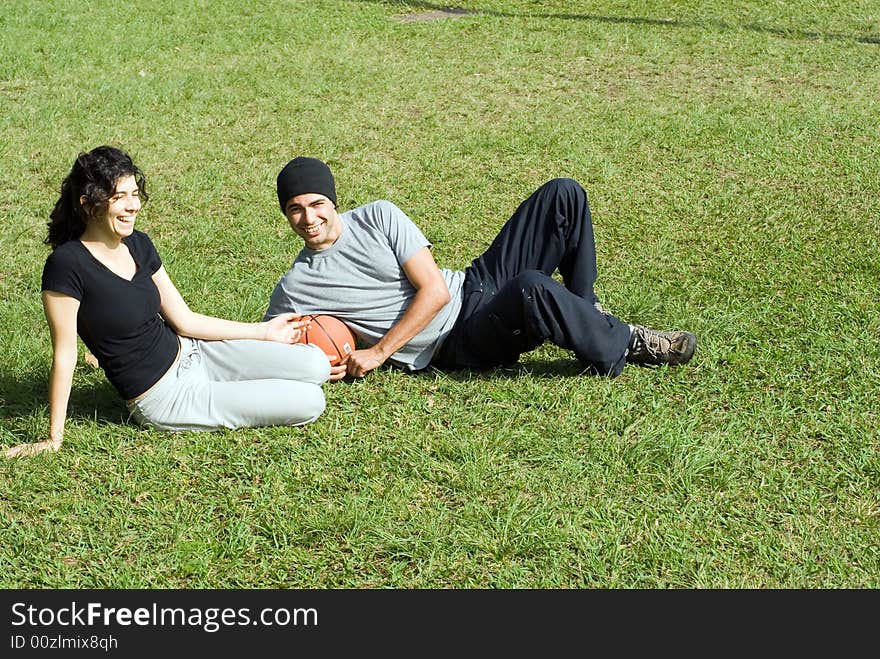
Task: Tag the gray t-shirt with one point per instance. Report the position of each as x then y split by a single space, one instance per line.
360 279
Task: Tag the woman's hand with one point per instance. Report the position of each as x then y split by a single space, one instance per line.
29 449
357 364
338 372
286 328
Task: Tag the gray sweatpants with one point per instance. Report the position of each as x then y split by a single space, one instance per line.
235 384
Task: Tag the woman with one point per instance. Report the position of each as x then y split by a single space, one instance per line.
175 368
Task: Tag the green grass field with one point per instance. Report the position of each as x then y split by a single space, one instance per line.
730 155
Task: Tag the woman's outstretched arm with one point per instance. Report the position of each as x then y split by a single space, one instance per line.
186 322
60 313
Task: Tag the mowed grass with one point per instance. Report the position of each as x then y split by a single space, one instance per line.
730 155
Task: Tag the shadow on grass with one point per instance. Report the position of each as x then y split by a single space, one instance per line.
639 20
97 401
537 369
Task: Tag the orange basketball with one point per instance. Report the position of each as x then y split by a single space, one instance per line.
331 335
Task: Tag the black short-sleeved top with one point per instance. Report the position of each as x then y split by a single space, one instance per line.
118 319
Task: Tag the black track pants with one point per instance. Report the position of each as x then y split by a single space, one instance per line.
512 304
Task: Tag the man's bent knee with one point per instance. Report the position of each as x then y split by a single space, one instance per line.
563 186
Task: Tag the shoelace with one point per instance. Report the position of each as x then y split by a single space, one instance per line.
651 343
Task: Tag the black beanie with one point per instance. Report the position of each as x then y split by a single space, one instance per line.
304 175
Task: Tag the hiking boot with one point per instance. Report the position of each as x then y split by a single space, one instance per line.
649 347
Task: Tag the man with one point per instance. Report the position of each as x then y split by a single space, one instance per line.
372 267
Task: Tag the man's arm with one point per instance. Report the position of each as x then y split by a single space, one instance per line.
431 296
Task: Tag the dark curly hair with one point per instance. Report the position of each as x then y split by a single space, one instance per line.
94 176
